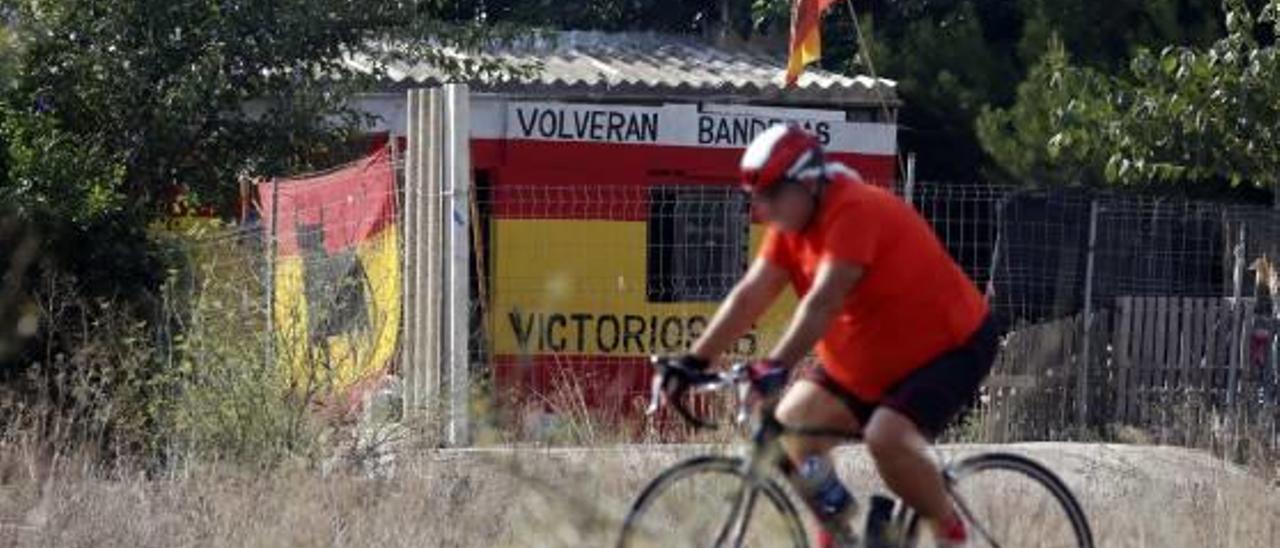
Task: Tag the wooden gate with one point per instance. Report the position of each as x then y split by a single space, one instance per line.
1172 355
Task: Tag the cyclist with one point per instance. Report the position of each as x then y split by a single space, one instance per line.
903 336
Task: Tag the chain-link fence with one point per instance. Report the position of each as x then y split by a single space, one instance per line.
1117 309
1163 304
579 285
1146 295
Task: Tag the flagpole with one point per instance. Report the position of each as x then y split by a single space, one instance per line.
865 51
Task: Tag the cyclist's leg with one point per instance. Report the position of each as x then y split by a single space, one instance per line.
808 404
919 407
901 453
813 402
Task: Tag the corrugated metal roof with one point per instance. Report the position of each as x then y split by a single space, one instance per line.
648 65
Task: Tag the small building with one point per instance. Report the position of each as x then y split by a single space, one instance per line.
610 223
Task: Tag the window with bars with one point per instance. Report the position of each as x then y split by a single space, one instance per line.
698 241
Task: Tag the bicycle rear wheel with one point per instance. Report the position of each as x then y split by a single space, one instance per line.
710 501
1011 501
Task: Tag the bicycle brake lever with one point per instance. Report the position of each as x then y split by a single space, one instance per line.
744 403
656 391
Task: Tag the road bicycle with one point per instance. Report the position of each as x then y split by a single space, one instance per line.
717 500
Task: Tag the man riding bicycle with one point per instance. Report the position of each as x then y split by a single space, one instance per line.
903 337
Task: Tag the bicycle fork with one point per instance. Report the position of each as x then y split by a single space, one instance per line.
765 453
735 527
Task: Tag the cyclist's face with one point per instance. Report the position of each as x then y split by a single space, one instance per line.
787 206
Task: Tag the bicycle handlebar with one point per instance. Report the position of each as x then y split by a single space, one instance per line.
666 373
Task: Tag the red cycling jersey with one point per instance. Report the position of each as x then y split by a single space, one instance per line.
913 302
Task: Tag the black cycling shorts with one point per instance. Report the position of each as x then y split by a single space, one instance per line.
932 395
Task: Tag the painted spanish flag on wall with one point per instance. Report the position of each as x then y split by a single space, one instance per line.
806 35
337 276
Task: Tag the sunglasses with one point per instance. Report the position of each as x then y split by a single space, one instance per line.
772 192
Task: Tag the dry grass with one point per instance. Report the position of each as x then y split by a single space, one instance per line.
70 476
1136 496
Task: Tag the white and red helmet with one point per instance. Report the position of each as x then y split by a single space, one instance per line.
784 152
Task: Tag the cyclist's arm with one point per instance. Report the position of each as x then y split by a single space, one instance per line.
748 300
832 283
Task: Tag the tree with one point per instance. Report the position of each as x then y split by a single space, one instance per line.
950 60
955 58
1182 116
114 105
109 109
160 86
1211 114
613 15
1042 138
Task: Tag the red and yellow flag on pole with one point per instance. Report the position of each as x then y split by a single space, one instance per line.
806 35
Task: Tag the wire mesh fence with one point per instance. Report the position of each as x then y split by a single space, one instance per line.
582 284
1117 309
588 280
1120 310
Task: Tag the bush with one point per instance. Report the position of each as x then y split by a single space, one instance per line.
191 384
229 402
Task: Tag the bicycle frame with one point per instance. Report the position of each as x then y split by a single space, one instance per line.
766 449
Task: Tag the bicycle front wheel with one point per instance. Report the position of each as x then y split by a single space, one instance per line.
711 501
1009 500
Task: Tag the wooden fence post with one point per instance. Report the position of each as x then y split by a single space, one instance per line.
1082 397
1128 341
1236 352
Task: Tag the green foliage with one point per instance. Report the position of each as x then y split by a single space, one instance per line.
955 59
153 97
192 384
58 174
614 15
108 111
1104 33
98 389
1191 114
9 53
161 86
948 66
1030 140
1184 115
226 401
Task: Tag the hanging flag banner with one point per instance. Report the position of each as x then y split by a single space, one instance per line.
806 35
337 280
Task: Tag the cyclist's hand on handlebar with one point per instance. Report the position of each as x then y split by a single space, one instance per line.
684 371
768 378
672 379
